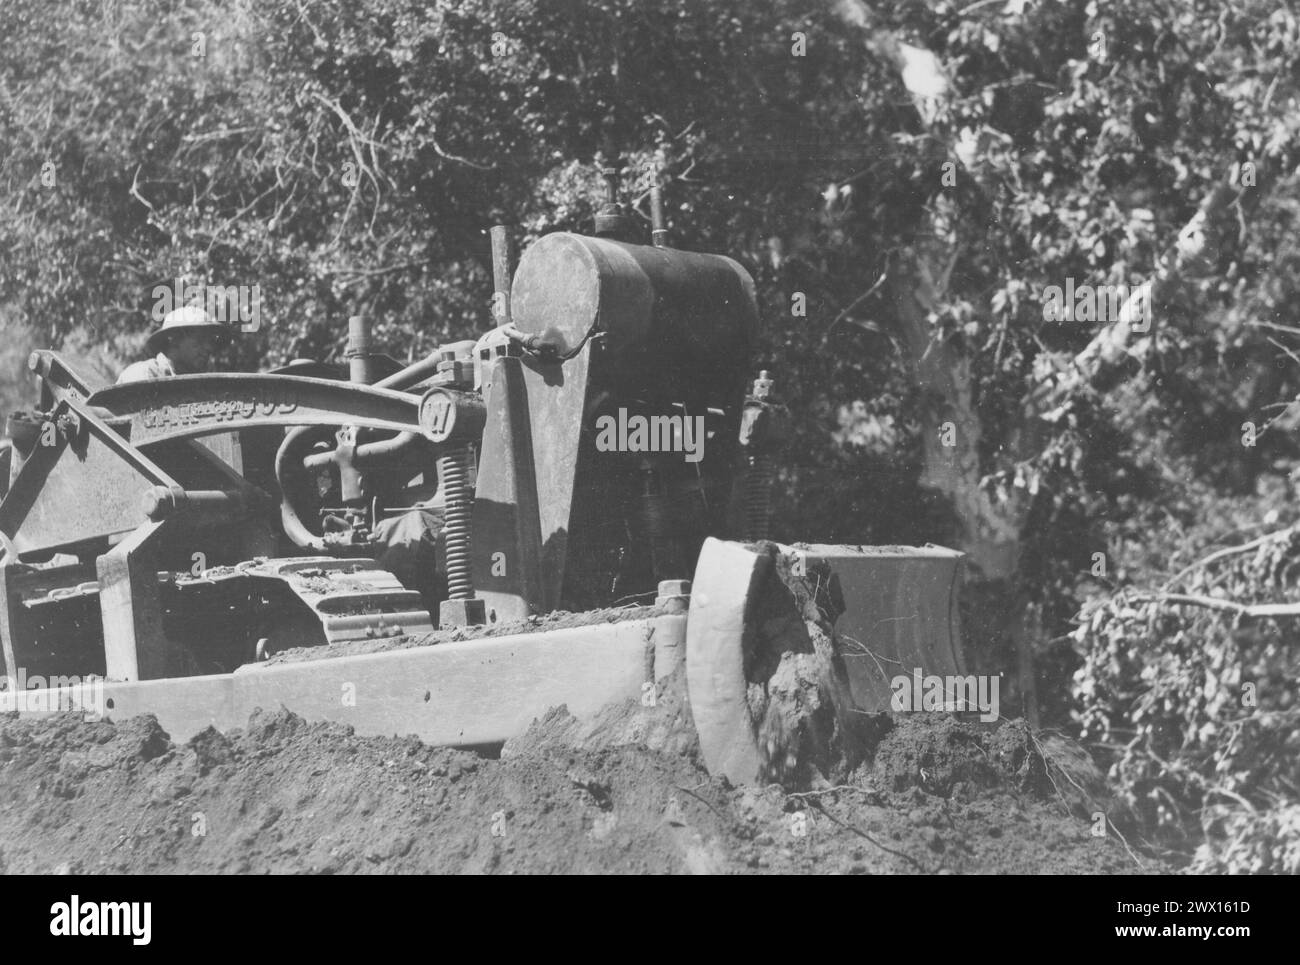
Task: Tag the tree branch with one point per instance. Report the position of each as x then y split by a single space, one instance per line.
1229 551
1248 611
858 301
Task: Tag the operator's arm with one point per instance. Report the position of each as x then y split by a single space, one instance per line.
155 368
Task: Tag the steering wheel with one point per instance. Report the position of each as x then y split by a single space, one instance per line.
298 460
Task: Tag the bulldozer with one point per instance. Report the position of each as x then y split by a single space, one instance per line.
599 463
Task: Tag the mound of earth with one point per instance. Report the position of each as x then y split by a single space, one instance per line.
287 796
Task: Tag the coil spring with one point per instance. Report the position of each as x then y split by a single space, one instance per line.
758 497
455 481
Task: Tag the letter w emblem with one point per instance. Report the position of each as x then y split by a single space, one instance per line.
438 416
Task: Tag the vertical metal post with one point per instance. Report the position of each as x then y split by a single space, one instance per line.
658 232
501 272
360 365
15 629
130 606
759 469
507 527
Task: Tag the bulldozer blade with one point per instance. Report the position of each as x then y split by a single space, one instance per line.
899 614
454 693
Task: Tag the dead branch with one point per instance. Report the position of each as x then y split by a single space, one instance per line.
858 301
360 274
448 156
1051 761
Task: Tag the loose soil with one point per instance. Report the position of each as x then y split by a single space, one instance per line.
287 796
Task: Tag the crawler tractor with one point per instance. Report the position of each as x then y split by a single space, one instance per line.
205 544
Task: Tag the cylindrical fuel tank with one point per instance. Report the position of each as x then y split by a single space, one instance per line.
658 308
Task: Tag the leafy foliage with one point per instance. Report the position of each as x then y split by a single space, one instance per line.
1197 707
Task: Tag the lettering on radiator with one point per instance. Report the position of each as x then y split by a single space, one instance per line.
217 410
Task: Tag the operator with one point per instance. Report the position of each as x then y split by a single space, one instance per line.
414 550
184 345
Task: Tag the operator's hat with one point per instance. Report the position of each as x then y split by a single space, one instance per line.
188 318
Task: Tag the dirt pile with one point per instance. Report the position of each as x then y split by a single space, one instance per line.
283 795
